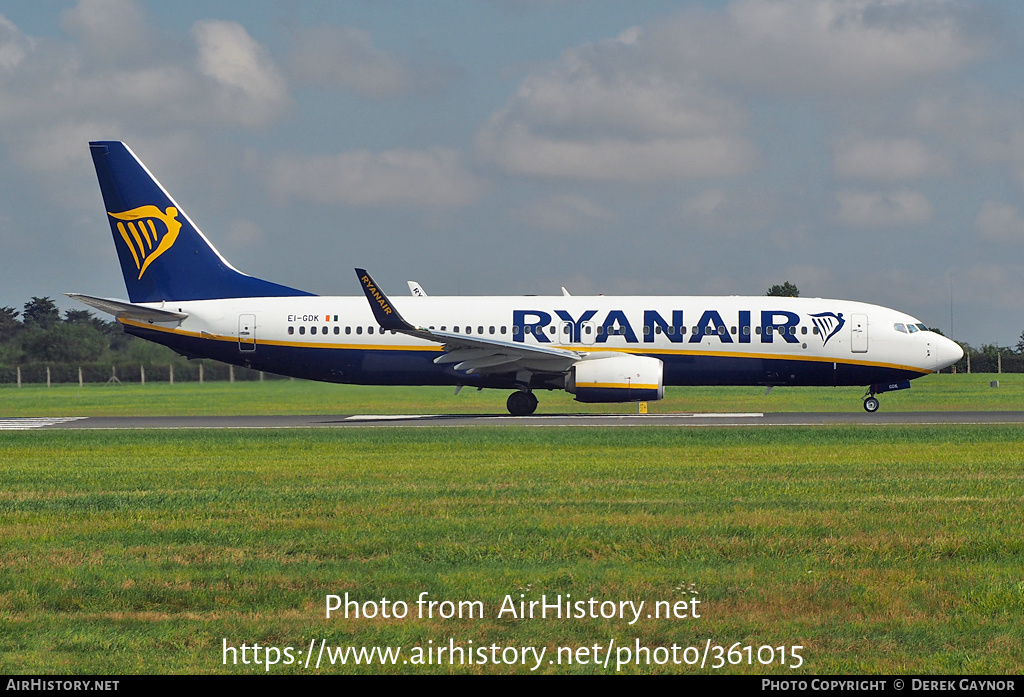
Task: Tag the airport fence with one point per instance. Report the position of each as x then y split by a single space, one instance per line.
99 373
213 371
988 362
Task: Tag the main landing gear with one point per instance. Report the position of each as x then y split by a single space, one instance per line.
521 403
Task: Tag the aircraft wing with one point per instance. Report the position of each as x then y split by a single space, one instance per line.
470 354
120 308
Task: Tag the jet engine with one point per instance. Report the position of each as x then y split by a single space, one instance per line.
619 378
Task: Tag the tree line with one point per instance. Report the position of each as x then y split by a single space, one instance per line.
37 340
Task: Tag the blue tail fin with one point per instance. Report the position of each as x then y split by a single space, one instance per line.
163 255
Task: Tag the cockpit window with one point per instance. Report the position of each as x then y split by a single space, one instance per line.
900 327
922 327
913 328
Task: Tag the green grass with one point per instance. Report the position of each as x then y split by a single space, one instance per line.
930 393
880 550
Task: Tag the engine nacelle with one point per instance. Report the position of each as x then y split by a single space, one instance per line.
617 379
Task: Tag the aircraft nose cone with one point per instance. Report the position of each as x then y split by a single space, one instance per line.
947 353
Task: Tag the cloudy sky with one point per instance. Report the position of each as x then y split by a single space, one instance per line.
862 149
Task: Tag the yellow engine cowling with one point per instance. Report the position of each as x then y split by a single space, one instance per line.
617 379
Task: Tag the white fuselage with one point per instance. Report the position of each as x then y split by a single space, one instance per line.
701 340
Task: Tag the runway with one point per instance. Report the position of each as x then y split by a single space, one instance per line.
548 420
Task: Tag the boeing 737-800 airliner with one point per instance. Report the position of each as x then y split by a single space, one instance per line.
184 294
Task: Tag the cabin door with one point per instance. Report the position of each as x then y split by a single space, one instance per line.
247 332
859 333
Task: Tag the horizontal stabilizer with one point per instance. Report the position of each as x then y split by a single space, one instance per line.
122 309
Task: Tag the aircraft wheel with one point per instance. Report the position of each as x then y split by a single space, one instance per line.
871 405
521 403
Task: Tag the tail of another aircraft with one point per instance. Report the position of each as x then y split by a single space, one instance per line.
163 254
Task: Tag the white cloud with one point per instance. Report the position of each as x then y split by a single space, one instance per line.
14 45
243 233
521 151
707 203
57 148
865 210
568 213
433 178
346 57
117 71
109 28
604 113
887 160
249 88
823 46
1000 222
992 284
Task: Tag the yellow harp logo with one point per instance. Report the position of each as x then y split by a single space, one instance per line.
148 232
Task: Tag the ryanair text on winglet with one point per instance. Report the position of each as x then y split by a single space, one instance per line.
381 300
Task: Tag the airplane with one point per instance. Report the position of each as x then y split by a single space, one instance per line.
185 295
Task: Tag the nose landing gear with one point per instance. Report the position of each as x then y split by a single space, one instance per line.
871 402
521 403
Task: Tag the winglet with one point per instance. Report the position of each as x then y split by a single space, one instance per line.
383 311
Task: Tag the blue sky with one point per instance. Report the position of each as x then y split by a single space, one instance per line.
862 149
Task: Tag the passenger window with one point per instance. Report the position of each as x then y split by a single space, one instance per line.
503 329
291 330
792 331
515 330
721 330
647 330
442 328
324 330
455 329
803 330
682 330
337 329
359 330
814 331
348 330
490 330
732 330
312 330
302 330
469 329
369 330
746 331
551 330
480 330
657 329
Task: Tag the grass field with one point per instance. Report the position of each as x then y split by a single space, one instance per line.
879 550
930 393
